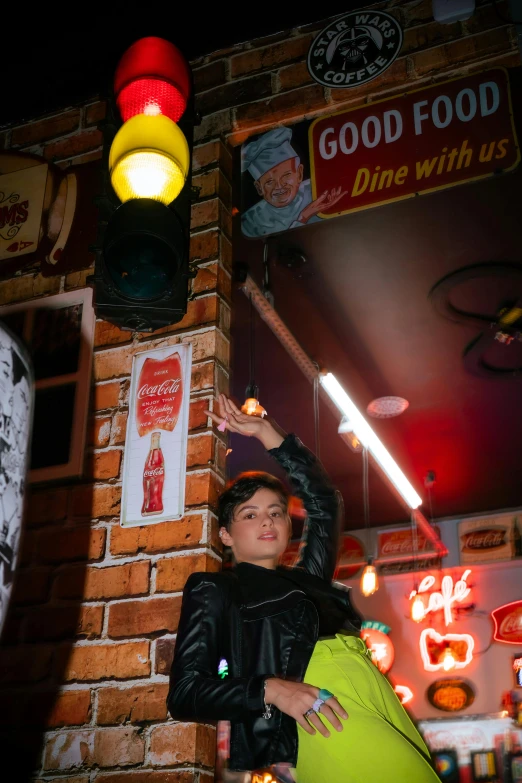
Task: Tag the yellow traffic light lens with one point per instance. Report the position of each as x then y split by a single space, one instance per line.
147 174
149 158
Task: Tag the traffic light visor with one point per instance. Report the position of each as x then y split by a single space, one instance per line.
149 158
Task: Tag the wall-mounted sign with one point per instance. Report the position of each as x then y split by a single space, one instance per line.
433 646
508 623
428 139
375 635
488 539
450 695
155 447
351 550
16 416
448 595
399 542
354 49
44 209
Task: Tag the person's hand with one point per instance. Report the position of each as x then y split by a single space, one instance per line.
250 426
295 698
324 202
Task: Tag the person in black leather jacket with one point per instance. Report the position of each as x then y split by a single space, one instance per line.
262 620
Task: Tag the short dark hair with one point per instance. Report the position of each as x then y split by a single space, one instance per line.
242 488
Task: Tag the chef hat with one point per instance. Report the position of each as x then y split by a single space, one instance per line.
266 152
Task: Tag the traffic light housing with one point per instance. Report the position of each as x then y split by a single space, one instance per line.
142 272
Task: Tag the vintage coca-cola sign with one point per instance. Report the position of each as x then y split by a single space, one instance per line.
508 623
484 540
156 443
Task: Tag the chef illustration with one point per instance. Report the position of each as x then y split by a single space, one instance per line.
286 199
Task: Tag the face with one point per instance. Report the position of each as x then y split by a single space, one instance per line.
280 184
260 529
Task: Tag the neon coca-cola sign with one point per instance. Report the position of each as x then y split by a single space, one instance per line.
508 623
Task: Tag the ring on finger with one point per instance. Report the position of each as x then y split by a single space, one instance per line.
318 703
309 712
325 694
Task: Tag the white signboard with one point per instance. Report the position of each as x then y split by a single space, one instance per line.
154 467
21 203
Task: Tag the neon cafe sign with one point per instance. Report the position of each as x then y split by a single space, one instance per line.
444 600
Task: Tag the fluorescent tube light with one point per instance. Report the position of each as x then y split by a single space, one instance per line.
369 439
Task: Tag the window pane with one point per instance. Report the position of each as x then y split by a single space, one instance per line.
52 427
55 341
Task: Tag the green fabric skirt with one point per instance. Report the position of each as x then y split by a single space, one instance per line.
379 743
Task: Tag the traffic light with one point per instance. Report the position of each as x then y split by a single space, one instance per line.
142 250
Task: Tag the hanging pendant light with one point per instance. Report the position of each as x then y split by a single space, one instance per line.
369 579
251 405
418 610
448 659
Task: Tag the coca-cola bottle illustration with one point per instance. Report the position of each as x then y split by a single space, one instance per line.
153 478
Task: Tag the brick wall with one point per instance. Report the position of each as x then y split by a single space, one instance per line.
88 646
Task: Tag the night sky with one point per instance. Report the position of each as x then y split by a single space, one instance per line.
56 58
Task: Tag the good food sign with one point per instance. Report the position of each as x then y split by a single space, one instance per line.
156 442
436 137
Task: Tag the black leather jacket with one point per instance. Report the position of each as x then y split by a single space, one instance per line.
263 623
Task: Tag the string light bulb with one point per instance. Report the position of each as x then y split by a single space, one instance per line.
418 610
448 659
252 407
369 579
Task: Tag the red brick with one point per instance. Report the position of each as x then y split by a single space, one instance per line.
112 364
28 287
282 107
164 655
49 128
154 776
68 779
200 450
27 663
69 750
269 56
209 76
202 488
106 395
206 279
427 35
462 51
393 79
120 747
75 543
99 432
100 583
179 743
202 310
31 586
106 661
213 125
96 501
293 76
74 145
134 705
197 416
211 154
63 622
173 572
136 618
119 429
105 465
78 279
234 93
109 334
48 506
95 112
203 246
202 376
163 537
213 183
71 708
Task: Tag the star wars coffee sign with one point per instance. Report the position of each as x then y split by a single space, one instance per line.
355 49
16 416
433 138
154 469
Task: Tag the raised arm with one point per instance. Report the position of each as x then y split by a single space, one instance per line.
196 692
323 504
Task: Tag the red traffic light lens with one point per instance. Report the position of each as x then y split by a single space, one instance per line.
151 97
152 77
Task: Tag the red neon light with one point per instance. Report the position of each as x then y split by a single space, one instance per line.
404 693
430 633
